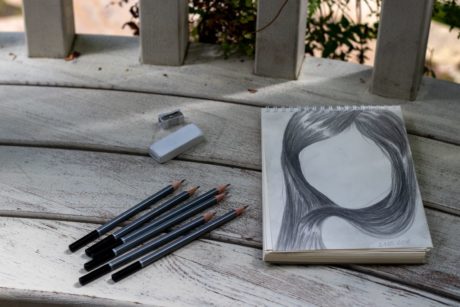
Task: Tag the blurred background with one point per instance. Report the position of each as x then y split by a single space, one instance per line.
338 29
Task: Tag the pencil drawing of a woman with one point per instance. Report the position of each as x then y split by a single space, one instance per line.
307 208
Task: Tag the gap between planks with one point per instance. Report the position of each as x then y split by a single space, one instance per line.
189 96
186 254
121 151
134 152
376 273
346 268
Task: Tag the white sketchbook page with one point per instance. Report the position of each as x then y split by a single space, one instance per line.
349 169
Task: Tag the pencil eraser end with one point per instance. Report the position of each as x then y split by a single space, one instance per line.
176 143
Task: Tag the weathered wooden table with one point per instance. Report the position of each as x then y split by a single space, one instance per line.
74 139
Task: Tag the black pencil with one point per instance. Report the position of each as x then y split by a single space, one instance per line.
192 203
153 229
148 247
110 239
103 229
175 245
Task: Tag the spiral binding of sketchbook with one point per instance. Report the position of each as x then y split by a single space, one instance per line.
339 186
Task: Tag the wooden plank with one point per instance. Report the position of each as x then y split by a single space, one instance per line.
164 34
441 273
118 121
79 186
103 120
401 48
15 297
74 185
438 171
280 40
50 27
207 75
201 273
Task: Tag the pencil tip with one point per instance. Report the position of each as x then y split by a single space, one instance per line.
221 196
209 215
239 211
176 183
193 190
222 188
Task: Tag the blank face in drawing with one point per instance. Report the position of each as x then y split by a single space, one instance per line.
354 173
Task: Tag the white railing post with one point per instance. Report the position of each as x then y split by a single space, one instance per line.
49 26
280 40
164 31
401 48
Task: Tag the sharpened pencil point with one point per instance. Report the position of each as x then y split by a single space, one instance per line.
221 196
193 190
209 215
239 211
176 183
222 188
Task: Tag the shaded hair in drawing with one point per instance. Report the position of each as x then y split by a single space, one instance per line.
306 208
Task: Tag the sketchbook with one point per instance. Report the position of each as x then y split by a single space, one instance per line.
339 186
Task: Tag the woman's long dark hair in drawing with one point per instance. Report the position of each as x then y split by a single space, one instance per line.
307 208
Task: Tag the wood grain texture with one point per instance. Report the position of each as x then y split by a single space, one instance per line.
203 273
50 28
206 74
67 184
16 297
164 35
125 122
441 274
280 38
76 185
93 186
401 47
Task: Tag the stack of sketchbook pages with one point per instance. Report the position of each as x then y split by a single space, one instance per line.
339 186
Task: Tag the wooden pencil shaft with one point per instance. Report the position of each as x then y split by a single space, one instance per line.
152 214
152 245
136 209
104 247
110 240
93 235
184 208
105 243
85 279
105 256
154 231
173 246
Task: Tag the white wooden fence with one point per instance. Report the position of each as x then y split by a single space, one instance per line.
398 66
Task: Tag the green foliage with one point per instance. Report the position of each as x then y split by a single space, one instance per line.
333 31
447 12
230 24
8 9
